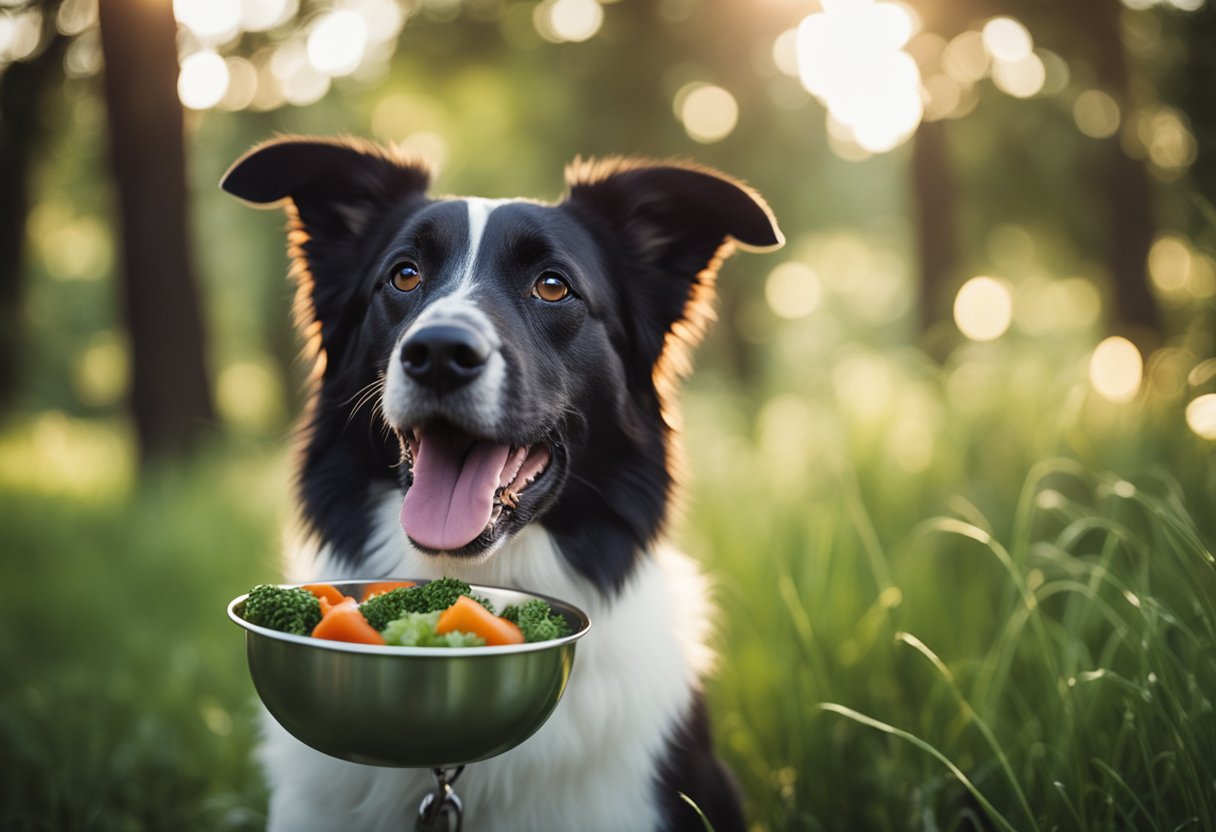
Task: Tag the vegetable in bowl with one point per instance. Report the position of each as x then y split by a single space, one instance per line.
440 613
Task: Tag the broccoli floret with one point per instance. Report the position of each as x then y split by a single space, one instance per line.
436 596
417 629
442 593
536 620
286 610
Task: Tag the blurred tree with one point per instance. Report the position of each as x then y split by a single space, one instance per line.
23 88
935 212
1096 35
1087 31
170 394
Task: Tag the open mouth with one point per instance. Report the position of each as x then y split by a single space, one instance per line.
464 488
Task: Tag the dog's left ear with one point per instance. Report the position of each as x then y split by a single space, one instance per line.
674 224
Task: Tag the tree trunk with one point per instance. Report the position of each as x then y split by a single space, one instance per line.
1123 181
935 198
170 394
23 87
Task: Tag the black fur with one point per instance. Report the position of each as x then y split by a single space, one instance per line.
690 768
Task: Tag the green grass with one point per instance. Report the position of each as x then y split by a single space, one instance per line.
1013 627
125 703
991 642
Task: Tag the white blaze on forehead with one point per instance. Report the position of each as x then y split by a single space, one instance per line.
479 215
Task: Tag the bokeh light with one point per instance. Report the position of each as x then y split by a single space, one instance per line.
1096 114
1169 264
301 83
75 17
242 84
851 58
203 80
20 34
572 21
1006 39
263 15
793 290
983 308
1022 78
785 52
337 42
1116 369
211 21
965 59
708 112
1170 142
101 373
1201 416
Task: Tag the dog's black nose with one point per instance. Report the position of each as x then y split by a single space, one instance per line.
445 356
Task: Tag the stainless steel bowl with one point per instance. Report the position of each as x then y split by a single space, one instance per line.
423 707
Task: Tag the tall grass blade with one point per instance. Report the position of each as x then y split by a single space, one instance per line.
971 716
870 722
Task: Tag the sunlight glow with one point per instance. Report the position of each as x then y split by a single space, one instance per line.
262 15
1201 416
1116 369
20 34
337 42
793 290
211 21
850 57
203 80
708 112
574 21
1007 39
983 308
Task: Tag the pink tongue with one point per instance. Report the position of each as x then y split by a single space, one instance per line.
455 478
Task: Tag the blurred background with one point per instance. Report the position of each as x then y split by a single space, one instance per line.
951 449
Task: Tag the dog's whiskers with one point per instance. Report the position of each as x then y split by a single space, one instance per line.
369 392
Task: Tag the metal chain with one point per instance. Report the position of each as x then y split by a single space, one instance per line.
441 805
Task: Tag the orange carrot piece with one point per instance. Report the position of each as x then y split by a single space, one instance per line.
468 616
381 587
326 592
344 622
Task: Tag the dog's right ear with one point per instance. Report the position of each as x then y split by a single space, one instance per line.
336 185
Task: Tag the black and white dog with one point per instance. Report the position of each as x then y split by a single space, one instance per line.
494 400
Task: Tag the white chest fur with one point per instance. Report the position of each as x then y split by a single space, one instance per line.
592 766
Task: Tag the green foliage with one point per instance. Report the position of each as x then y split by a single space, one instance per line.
284 609
434 596
536 620
1038 653
417 629
136 711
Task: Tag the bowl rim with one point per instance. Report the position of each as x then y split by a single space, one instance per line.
427 652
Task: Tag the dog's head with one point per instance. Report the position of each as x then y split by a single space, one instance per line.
523 353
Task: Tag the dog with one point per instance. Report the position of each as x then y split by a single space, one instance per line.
494 399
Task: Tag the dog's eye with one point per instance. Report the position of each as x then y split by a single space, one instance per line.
405 277
551 287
